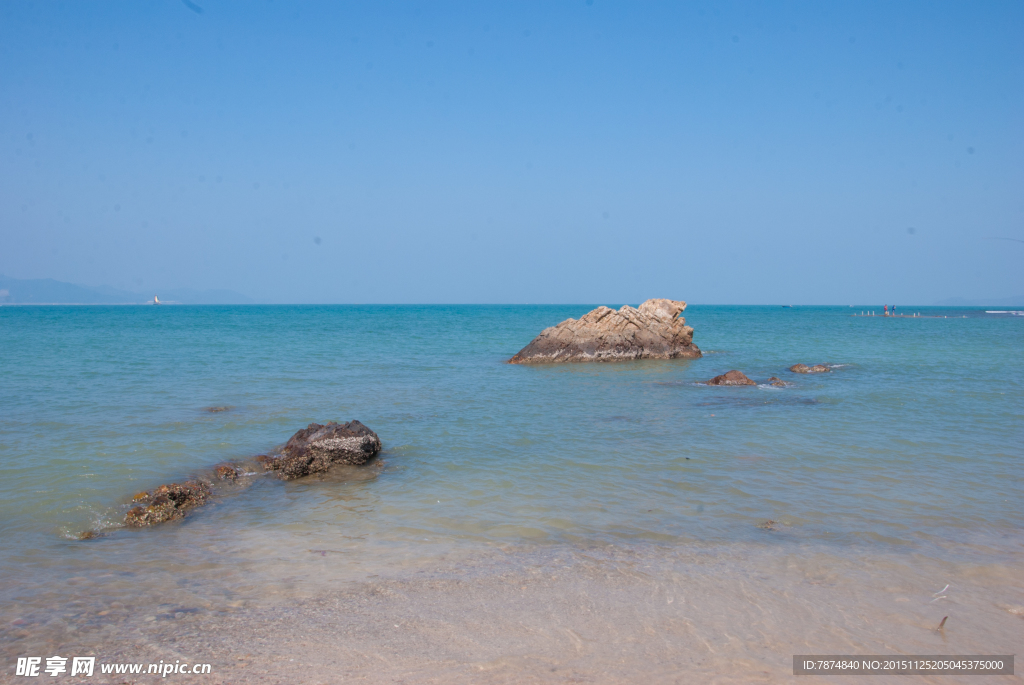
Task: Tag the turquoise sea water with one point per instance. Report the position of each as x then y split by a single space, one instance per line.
910 447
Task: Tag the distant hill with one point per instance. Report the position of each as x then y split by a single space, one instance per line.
49 291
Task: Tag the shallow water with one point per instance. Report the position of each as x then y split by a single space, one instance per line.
900 466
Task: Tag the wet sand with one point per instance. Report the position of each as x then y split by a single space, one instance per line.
589 615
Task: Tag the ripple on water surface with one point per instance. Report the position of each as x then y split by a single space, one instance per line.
903 463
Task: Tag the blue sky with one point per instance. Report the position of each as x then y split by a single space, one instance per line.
778 152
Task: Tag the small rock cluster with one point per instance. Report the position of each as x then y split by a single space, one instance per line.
803 368
735 377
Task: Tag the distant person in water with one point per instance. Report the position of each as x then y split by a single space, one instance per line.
894 310
885 310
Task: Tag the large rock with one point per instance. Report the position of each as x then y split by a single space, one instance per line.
654 330
733 377
316 448
803 368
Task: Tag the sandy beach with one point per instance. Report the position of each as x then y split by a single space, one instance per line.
595 615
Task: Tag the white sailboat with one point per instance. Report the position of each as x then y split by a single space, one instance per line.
156 300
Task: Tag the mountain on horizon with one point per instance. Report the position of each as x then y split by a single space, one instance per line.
49 291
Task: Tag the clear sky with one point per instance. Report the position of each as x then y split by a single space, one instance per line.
579 151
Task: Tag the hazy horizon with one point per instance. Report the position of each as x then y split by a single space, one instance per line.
227 297
582 151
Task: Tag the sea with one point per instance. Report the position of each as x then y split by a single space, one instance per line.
602 522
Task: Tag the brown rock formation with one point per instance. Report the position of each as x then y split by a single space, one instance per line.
167 502
777 382
803 368
311 450
654 330
316 448
733 377
226 472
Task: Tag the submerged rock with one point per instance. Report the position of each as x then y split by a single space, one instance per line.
777 382
316 448
311 450
654 330
226 472
167 502
733 377
90 535
803 368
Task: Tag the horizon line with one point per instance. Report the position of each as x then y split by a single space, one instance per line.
994 303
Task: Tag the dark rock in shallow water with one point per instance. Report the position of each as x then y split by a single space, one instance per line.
731 378
311 450
803 368
316 448
226 472
777 382
654 330
91 535
167 502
